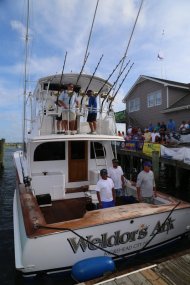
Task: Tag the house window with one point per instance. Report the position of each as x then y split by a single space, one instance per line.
134 105
154 99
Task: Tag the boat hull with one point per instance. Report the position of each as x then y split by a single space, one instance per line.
60 250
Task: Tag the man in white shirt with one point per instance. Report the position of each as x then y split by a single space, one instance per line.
105 190
116 174
68 101
146 190
155 136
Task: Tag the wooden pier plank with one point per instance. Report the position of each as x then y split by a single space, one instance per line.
171 272
123 281
139 279
154 278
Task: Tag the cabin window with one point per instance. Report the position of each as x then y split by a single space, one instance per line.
97 150
78 150
134 105
154 99
50 151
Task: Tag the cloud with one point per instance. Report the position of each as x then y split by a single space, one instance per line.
19 27
57 26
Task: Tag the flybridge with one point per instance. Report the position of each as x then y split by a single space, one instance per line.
51 82
45 108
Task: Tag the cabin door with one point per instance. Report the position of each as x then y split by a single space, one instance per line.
78 161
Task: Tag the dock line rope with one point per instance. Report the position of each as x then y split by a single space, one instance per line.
163 224
38 226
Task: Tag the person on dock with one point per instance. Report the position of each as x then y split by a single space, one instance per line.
115 172
68 101
146 190
92 111
171 126
147 135
105 190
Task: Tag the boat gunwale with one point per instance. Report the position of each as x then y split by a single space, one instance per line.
33 216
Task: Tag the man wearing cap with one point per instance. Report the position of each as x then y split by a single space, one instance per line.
146 190
105 190
116 174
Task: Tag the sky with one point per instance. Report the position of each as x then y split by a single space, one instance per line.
60 26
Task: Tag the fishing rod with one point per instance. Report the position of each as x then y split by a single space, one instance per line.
78 78
82 68
110 76
113 97
106 97
62 70
61 81
91 80
93 74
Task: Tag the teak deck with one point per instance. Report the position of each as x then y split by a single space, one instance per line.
72 214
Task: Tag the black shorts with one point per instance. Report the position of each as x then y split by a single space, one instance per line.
59 118
91 117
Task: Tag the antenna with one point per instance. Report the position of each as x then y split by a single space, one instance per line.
160 55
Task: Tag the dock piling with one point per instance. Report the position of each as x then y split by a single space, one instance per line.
2 142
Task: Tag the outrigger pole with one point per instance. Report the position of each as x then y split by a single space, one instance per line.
125 54
131 34
91 30
112 99
106 97
25 73
86 52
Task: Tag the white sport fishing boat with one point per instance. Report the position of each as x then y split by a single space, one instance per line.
57 222
58 226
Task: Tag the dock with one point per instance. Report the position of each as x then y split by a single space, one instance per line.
171 272
132 159
2 142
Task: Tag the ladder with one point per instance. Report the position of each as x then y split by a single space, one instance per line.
98 161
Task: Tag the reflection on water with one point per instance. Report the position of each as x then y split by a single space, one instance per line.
7 186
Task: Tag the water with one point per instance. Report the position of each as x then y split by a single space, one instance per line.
7 185
7 267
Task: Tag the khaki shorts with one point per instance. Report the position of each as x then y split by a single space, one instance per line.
68 115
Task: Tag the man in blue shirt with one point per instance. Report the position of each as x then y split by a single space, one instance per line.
171 126
92 111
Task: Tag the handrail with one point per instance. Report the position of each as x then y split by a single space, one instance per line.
106 124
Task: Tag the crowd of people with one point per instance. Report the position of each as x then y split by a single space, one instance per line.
159 133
